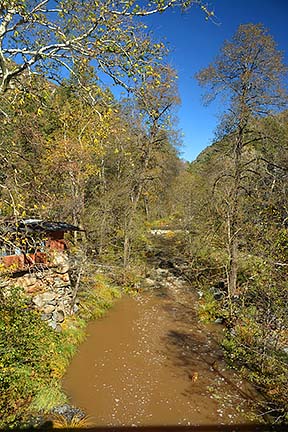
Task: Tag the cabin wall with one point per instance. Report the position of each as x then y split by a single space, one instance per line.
56 241
19 261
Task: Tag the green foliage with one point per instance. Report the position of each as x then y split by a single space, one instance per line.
96 296
208 308
27 346
48 397
129 278
160 223
253 352
73 333
112 168
257 342
34 357
256 312
88 41
107 166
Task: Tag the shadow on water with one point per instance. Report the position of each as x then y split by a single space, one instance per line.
181 313
199 350
191 354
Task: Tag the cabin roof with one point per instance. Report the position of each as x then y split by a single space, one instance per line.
37 226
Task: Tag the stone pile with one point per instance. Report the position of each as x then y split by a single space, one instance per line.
50 290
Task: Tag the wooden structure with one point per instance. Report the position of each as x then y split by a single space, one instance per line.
28 242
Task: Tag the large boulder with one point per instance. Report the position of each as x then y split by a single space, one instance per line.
49 308
44 298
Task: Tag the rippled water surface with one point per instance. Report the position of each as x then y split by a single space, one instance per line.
150 362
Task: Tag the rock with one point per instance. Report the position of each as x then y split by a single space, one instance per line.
61 305
58 328
52 324
60 291
38 301
48 296
60 259
29 280
66 304
46 316
40 274
59 283
41 299
161 271
68 411
62 269
65 277
52 302
61 262
149 282
49 280
75 308
171 278
58 316
33 289
49 290
48 309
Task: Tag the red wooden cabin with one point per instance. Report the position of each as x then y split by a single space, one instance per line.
37 237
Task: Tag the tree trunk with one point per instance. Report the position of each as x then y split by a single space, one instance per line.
233 222
126 250
233 267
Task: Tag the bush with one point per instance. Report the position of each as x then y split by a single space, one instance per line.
27 346
48 397
96 296
34 358
264 367
258 342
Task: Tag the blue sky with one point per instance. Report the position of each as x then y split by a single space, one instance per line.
194 43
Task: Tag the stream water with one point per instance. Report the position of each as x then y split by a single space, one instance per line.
150 362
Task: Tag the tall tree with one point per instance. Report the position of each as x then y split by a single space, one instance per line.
156 98
249 71
41 36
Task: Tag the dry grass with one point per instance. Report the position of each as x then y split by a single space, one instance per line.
61 422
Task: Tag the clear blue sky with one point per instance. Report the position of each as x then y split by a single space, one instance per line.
194 43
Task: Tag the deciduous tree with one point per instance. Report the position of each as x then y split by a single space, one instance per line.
41 36
249 71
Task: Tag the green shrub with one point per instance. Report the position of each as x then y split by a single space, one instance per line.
96 296
256 344
208 308
34 358
48 397
27 345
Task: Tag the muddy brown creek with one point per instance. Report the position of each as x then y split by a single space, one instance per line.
150 361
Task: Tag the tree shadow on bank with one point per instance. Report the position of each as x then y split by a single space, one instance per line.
196 352
201 360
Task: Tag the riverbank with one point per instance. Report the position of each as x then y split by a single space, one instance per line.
34 357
